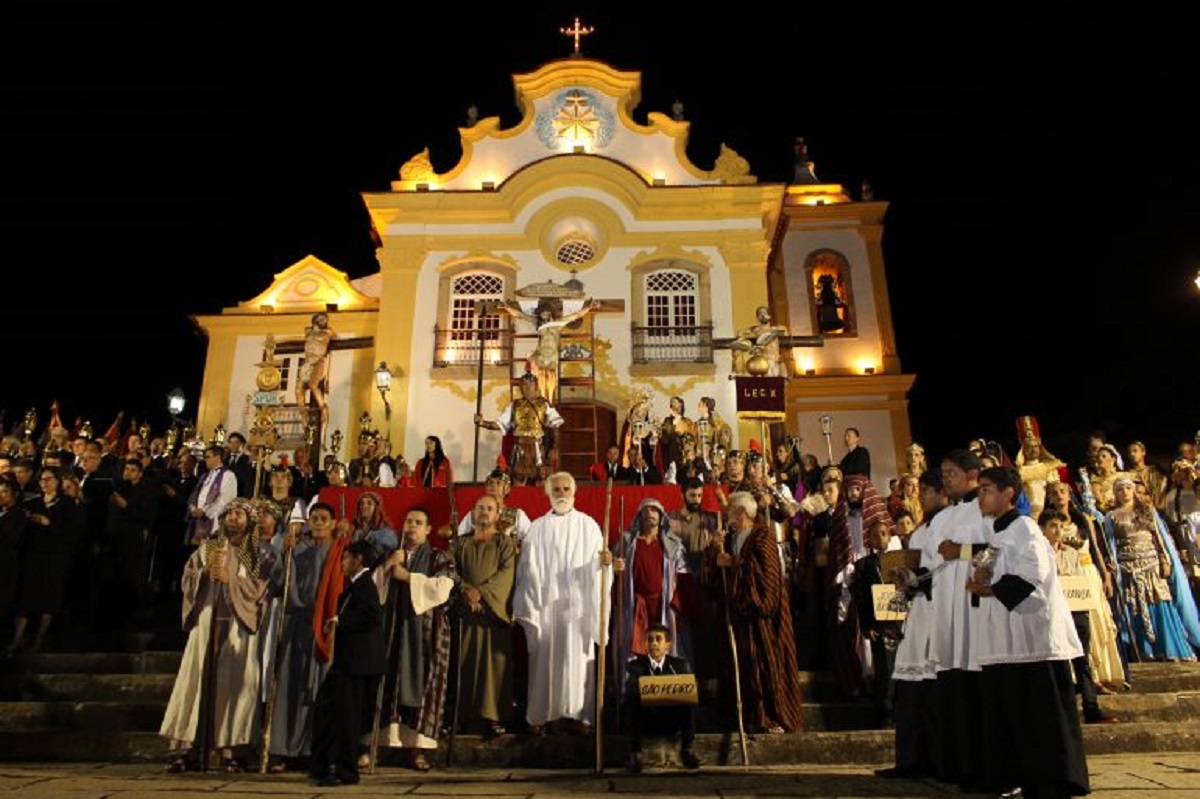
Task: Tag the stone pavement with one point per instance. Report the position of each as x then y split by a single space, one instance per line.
1152 775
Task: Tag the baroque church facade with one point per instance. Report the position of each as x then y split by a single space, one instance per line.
577 202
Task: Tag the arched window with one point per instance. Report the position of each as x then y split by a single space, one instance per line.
672 323
670 303
466 291
831 295
461 288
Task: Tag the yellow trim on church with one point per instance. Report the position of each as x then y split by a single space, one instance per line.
310 284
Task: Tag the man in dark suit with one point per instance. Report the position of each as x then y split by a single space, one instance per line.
359 658
662 720
857 459
601 471
639 472
241 464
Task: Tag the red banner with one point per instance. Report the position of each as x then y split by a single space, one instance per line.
761 397
589 498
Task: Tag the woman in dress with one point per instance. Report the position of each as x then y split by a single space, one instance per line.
1097 566
433 468
1145 564
53 522
1108 467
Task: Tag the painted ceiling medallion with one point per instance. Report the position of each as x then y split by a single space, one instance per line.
575 118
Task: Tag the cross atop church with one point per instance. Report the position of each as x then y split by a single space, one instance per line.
577 31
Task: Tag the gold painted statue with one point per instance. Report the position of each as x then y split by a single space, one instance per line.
756 349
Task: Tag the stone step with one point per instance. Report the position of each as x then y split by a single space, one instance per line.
125 641
86 687
131 702
137 702
1154 678
149 662
567 751
99 717
1168 706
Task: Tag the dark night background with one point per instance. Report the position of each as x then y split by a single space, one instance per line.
1041 243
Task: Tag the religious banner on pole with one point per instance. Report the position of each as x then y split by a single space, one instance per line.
762 398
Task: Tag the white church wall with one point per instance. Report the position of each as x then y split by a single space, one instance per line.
874 426
495 159
840 352
445 407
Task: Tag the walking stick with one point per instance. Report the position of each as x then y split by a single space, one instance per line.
458 622
479 309
277 650
603 637
737 672
211 545
620 610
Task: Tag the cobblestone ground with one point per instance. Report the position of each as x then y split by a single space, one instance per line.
1158 775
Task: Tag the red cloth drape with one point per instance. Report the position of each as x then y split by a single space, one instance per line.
589 498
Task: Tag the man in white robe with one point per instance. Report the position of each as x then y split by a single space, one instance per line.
561 573
224 601
956 536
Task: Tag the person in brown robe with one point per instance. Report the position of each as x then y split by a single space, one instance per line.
486 560
759 613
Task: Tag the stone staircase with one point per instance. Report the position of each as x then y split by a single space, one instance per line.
92 705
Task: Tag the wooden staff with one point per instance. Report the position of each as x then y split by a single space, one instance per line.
480 310
620 606
211 546
374 755
458 622
737 674
603 637
277 649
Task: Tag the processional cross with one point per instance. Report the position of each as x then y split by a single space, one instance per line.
577 31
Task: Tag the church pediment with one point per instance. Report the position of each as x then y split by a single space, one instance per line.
574 106
310 284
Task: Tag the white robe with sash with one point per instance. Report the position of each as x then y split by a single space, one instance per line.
556 599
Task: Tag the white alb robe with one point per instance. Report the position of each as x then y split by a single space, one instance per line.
1040 626
912 655
557 601
954 616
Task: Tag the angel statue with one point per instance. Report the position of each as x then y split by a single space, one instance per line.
756 349
548 319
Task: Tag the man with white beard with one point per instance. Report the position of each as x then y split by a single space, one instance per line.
562 571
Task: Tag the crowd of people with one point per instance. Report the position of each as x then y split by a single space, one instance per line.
324 639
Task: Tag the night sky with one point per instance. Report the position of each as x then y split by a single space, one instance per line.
1041 243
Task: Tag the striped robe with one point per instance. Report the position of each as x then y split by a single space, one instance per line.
760 612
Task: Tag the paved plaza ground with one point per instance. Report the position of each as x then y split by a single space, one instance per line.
1153 775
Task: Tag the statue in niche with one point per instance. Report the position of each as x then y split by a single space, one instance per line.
831 308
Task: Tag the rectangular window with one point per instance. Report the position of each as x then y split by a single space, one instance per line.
658 314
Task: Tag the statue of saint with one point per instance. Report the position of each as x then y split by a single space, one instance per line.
759 343
831 308
315 367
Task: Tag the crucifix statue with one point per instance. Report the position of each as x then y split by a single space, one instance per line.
550 308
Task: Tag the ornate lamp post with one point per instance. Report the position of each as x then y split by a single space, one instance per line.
383 382
827 431
176 402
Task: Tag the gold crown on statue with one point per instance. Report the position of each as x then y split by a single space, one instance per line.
640 396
